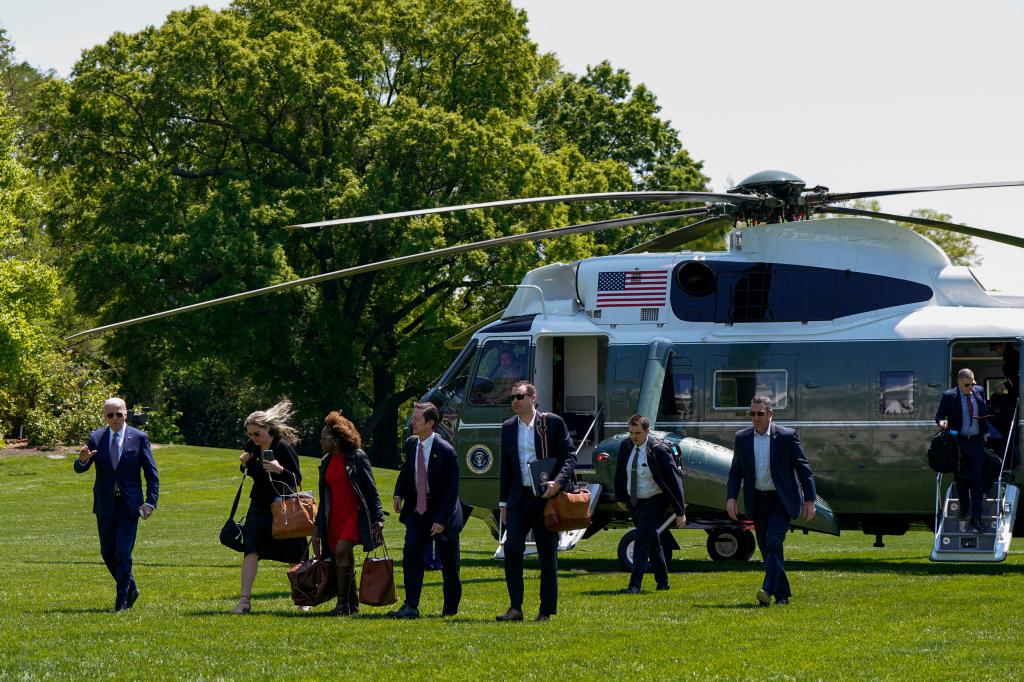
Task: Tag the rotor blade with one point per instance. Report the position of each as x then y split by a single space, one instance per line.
829 198
926 222
683 235
401 260
598 196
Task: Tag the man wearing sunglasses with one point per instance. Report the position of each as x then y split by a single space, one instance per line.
528 436
120 453
963 411
778 486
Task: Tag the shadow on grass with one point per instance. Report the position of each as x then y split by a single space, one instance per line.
741 606
903 567
70 611
136 563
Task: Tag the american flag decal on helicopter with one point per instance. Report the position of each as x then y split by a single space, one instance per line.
631 289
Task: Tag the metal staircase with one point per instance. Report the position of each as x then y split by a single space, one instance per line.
956 541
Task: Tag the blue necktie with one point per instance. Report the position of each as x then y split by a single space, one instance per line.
115 450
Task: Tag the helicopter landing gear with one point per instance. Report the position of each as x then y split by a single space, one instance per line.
626 552
731 544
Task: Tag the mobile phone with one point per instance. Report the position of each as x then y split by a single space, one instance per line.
268 456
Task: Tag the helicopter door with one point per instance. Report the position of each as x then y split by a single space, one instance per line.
570 382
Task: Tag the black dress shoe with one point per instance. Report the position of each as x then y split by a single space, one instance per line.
978 526
449 614
510 615
405 613
763 598
133 597
543 617
662 588
630 590
782 602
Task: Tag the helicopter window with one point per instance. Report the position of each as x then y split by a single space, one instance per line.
677 394
734 389
502 364
897 392
453 385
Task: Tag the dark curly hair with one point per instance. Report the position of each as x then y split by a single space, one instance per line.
343 430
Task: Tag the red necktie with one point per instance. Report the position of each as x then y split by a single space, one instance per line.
421 482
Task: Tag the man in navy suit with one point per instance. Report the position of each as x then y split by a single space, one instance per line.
648 484
528 436
964 412
427 501
769 462
120 453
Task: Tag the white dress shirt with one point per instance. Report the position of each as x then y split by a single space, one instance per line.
763 460
527 447
645 485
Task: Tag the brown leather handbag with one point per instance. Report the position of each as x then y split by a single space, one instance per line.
294 514
313 581
377 580
568 510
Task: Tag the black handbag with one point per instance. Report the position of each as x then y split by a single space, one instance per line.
943 453
231 535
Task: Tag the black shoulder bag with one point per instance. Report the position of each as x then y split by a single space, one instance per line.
231 533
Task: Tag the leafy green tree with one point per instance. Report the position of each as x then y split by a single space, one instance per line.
177 154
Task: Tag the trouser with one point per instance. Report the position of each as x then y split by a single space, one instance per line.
117 541
525 515
771 523
417 538
648 514
969 486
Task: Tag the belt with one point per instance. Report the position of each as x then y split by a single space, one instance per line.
976 436
766 493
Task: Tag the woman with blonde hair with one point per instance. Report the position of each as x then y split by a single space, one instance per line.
270 459
350 510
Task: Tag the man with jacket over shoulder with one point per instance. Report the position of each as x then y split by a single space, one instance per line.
649 485
427 501
527 436
778 486
120 453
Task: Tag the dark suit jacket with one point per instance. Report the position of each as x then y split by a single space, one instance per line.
791 473
442 480
136 457
663 470
949 409
559 445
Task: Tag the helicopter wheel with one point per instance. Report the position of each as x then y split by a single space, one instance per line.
626 553
729 544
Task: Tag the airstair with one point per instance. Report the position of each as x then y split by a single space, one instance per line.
955 540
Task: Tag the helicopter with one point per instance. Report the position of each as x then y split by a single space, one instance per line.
851 324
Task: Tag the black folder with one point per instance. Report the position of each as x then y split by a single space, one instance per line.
542 471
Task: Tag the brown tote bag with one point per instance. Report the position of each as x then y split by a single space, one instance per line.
377 580
294 514
566 510
313 581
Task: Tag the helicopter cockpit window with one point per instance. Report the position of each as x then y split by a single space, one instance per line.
502 364
453 383
734 389
896 392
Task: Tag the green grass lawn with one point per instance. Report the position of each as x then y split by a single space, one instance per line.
858 611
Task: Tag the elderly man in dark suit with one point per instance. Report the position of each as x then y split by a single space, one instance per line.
528 436
963 411
427 501
120 453
648 484
778 486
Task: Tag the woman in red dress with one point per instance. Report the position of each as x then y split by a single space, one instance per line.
350 511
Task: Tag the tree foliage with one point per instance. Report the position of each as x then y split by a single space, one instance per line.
177 155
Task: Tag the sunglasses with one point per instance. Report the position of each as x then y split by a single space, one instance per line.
756 414
519 396
111 415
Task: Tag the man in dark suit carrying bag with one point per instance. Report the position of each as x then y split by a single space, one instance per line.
648 484
526 437
427 501
778 486
120 453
